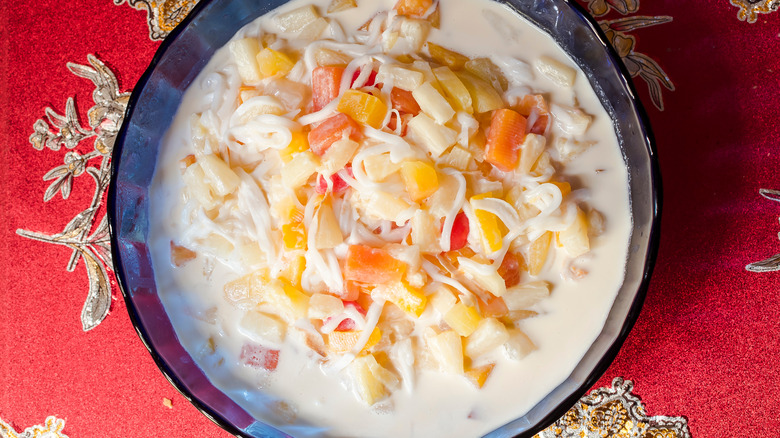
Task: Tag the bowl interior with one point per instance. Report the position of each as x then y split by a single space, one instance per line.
154 102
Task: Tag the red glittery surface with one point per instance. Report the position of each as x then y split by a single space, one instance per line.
704 347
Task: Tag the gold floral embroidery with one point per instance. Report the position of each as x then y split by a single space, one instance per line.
638 64
88 242
617 413
163 15
749 9
52 428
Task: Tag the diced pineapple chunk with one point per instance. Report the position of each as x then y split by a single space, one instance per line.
490 334
299 169
440 203
328 57
415 32
519 345
290 302
484 275
462 318
294 268
537 253
556 71
487 71
433 103
328 231
220 176
570 119
409 299
420 179
196 187
273 63
323 306
479 375
363 108
385 206
244 53
343 341
416 8
297 19
341 5
434 137
443 299
218 244
401 77
367 379
484 97
543 165
455 92
337 156
447 57
425 232
457 157
262 328
447 348
313 30
530 150
378 167
574 239
526 295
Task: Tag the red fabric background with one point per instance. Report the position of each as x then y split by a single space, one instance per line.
704 347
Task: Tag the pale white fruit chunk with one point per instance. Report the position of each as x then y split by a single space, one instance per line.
519 345
244 53
262 328
559 73
526 295
489 335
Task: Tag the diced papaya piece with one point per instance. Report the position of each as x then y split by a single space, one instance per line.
479 375
537 253
325 82
535 103
494 307
343 341
415 8
181 255
273 63
331 130
463 319
420 179
506 135
403 101
363 107
511 267
368 265
409 299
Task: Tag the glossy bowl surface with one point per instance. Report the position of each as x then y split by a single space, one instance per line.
154 102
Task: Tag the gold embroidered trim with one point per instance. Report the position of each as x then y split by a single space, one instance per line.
749 9
617 413
162 16
52 428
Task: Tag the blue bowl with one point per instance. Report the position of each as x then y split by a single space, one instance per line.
151 109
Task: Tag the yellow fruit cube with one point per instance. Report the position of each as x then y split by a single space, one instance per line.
289 301
433 103
294 269
273 63
370 379
363 108
420 179
244 53
487 71
479 375
294 236
299 143
343 341
489 229
408 298
462 318
490 334
537 253
519 344
447 348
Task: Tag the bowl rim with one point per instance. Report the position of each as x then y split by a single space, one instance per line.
653 239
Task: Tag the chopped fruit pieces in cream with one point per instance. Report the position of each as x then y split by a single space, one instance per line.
380 219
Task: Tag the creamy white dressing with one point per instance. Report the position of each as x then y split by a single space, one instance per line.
433 404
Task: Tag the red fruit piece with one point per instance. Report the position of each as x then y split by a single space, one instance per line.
460 232
339 185
325 82
258 356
